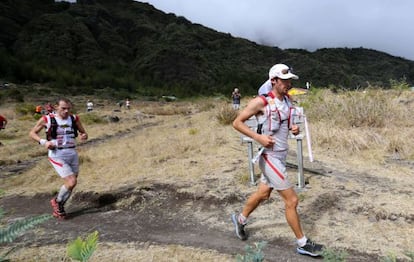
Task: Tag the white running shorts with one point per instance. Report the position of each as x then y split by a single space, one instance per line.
65 165
273 167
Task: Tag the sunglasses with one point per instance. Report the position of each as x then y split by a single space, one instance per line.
287 71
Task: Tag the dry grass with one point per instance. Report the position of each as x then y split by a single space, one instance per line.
363 123
108 252
188 147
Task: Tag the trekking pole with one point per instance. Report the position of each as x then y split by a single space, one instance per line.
308 139
249 142
256 157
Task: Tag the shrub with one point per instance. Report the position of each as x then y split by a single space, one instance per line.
226 114
399 84
25 109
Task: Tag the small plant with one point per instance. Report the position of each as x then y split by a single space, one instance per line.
391 257
9 233
302 197
399 84
82 250
332 255
253 253
244 178
193 131
410 255
12 231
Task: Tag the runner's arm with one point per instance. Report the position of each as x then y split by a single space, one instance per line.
83 134
34 134
253 108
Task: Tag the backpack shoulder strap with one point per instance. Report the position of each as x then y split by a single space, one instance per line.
51 126
288 100
264 98
291 110
74 119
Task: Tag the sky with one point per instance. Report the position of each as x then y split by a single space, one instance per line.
382 25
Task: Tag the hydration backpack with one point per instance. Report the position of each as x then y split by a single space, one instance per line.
273 110
51 132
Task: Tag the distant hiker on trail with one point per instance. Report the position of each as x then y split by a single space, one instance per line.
49 108
275 108
120 104
38 110
61 129
3 123
127 103
89 106
236 99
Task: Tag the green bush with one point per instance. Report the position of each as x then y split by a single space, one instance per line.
399 84
25 109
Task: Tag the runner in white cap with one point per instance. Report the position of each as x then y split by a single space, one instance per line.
276 109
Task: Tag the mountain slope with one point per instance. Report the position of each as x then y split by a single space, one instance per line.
134 48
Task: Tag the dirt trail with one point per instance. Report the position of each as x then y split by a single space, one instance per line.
153 215
162 214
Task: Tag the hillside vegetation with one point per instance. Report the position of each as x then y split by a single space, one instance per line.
364 137
120 48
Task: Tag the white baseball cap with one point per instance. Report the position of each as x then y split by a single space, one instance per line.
281 71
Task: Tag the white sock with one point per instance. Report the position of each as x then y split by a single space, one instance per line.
242 219
302 241
63 194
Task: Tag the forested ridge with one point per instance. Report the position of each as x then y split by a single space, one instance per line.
119 47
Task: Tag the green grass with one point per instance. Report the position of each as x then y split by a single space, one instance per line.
332 255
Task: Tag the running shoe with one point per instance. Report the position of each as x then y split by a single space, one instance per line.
311 249
58 209
240 233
